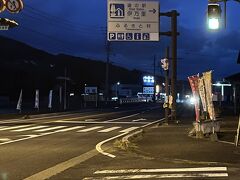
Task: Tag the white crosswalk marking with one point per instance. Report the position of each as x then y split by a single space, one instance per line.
109 129
129 129
44 128
51 128
199 169
29 128
70 129
91 129
162 176
171 173
14 127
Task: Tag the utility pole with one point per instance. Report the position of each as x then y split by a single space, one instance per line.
174 63
173 33
166 72
107 74
154 76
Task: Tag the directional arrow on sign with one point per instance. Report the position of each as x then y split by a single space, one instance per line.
153 11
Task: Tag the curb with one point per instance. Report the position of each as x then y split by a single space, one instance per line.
126 140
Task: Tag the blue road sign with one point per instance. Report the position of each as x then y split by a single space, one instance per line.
146 36
112 36
129 36
117 10
137 36
120 36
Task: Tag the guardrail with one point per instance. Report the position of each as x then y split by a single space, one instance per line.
133 100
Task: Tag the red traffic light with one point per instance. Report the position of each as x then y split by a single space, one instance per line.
214 10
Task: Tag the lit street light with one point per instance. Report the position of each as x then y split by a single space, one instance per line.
118 83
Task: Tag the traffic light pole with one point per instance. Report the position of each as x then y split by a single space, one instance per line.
174 64
225 14
173 14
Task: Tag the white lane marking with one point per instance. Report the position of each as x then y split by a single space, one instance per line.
26 138
29 128
70 129
198 175
46 174
109 129
103 122
31 135
90 129
90 120
128 129
200 169
51 128
124 117
13 127
32 119
226 142
5 139
141 119
99 145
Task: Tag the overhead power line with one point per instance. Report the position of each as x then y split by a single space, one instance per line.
61 20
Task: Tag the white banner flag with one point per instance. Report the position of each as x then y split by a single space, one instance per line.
207 76
37 99
19 104
50 99
202 93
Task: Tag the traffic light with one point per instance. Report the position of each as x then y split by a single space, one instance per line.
214 15
165 64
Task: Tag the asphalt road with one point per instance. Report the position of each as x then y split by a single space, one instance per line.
41 147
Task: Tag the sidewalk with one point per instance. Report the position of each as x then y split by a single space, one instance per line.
173 142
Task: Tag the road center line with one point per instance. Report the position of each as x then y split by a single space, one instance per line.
45 174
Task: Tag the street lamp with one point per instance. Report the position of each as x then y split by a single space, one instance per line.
117 84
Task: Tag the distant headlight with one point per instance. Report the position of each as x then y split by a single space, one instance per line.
192 100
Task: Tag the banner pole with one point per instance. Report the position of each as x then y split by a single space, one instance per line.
238 131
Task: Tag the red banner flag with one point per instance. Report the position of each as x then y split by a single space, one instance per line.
193 80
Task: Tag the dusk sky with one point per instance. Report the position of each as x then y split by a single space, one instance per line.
78 27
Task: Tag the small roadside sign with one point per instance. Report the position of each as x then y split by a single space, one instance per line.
148 90
90 90
14 6
133 20
2 5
